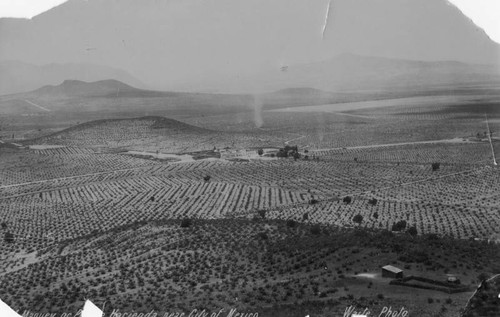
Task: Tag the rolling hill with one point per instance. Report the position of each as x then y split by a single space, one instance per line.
76 88
122 132
18 77
112 95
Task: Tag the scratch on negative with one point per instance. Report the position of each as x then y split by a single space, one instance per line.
326 19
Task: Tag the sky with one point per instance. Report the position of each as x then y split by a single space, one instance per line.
485 13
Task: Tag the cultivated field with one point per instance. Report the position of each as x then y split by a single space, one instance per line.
110 210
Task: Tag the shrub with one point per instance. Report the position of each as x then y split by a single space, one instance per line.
262 213
185 223
291 223
262 235
413 231
316 229
483 276
373 201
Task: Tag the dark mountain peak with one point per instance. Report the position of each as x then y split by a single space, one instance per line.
107 83
17 76
72 87
71 82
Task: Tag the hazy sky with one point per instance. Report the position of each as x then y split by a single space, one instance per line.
485 13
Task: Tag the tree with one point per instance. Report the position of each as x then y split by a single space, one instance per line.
358 219
313 201
291 223
373 201
260 151
305 217
4 225
282 153
375 215
262 213
207 178
399 226
347 200
435 166
8 237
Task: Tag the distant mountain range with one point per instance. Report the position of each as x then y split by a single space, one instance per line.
350 73
114 96
346 73
16 77
240 45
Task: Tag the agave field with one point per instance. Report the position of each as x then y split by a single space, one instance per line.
233 263
452 151
85 213
47 164
95 192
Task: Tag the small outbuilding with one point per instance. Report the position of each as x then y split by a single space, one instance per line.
452 279
392 272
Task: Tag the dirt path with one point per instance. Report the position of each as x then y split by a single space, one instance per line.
69 177
38 106
456 140
353 115
300 137
15 144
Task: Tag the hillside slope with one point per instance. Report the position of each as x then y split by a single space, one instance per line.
121 133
